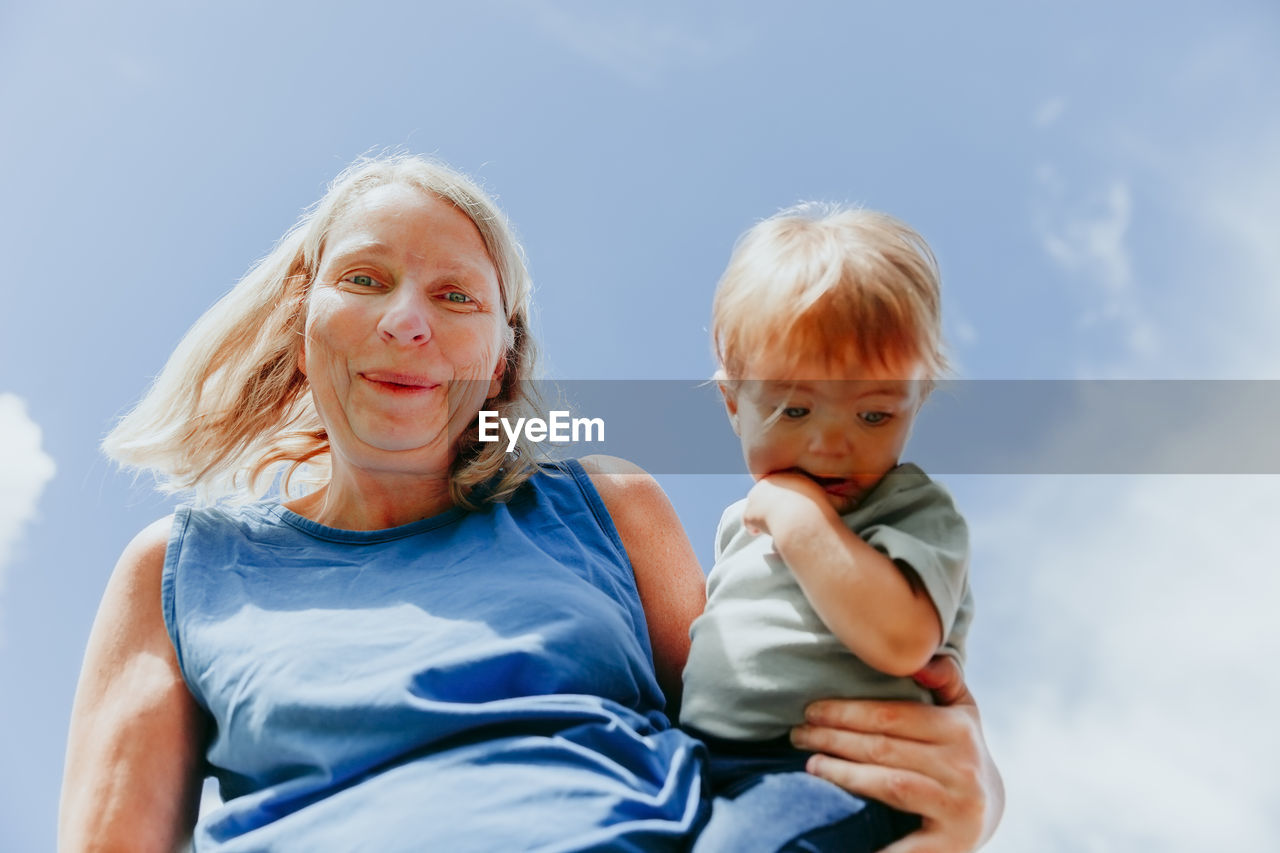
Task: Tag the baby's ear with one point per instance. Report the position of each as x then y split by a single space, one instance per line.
729 392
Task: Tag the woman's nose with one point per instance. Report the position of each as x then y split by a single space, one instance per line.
406 319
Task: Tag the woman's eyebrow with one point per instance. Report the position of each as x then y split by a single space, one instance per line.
377 249
344 251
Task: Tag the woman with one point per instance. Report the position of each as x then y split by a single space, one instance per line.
440 646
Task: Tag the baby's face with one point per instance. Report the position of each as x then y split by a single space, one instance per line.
843 427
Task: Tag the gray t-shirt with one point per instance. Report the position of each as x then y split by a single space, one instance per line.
760 653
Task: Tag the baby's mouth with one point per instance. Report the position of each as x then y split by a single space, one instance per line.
838 487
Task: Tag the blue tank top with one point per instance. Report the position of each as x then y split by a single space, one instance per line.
473 681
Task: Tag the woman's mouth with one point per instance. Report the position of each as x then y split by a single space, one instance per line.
398 383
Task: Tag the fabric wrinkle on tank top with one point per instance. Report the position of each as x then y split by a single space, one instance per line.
472 681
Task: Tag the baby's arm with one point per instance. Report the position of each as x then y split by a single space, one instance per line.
880 612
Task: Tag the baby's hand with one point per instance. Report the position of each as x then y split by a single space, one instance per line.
778 499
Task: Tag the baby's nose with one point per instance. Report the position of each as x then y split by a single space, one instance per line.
831 441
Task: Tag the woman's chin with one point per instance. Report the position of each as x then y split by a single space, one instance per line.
408 448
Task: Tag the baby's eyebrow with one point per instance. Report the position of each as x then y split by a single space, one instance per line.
781 386
857 390
895 391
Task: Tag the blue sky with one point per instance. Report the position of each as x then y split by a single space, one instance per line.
1101 183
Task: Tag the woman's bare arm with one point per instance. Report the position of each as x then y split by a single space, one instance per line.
671 584
131 779
928 759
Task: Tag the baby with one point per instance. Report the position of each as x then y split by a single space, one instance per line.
844 570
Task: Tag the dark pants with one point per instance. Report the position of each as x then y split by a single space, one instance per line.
764 802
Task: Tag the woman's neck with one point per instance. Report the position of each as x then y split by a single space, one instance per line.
362 500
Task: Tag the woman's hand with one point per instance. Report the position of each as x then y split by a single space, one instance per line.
927 759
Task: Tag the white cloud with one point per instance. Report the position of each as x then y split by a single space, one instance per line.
1232 197
1048 112
26 469
1088 238
1093 241
1127 629
633 44
1202 159
1130 623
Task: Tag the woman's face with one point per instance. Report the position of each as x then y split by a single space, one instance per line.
404 332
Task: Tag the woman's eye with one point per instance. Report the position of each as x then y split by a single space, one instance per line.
455 296
361 280
874 418
794 412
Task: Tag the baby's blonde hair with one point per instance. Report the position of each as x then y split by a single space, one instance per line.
230 409
830 281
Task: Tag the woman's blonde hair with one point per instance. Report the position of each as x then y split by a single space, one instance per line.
231 409
830 281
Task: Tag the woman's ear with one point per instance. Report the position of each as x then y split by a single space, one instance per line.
299 284
495 384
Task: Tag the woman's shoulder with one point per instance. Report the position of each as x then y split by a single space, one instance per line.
143 557
633 498
228 518
618 481
132 594
610 484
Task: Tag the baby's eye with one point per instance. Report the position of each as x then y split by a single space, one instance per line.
456 296
794 412
874 418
